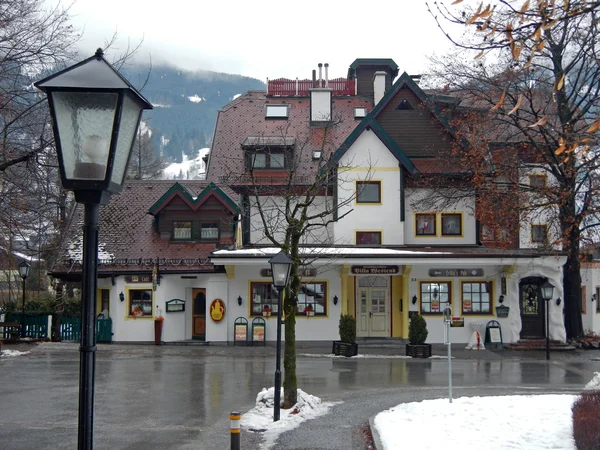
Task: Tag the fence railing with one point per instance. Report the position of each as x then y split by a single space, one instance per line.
70 329
36 327
285 87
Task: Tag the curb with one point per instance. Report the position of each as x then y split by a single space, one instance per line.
377 444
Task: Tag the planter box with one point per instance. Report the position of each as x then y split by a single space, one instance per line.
418 351
344 349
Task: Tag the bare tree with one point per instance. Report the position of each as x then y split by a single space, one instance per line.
145 163
293 208
534 83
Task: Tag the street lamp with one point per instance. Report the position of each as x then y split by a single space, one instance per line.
281 265
547 290
24 272
95 116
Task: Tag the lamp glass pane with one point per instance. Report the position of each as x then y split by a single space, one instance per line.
280 274
84 121
130 117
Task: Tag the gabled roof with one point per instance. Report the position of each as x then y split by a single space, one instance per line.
406 81
369 123
177 190
127 237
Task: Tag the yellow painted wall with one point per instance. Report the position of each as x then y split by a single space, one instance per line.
397 326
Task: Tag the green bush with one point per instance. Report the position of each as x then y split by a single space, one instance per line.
417 330
586 420
347 328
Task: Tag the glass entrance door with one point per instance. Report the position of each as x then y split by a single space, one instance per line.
373 315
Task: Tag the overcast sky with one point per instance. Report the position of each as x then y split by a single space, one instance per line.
265 38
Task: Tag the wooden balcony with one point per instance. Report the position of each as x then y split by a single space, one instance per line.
283 87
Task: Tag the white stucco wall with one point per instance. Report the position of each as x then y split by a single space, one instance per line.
464 206
177 326
320 104
369 160
273 208
307 328
548 267
590 278
548 215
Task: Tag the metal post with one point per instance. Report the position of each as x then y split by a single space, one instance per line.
87 349
23 311
277 399
547 330
234 418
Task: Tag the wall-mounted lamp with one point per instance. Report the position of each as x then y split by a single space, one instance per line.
593 297
335 299
414 299
501 299
240 300
558 300
122 297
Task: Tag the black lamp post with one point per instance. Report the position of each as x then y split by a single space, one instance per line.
281 265
95 116
24 272
547 290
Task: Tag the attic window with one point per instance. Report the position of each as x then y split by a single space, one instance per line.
280 112
316 154
404 106
360 112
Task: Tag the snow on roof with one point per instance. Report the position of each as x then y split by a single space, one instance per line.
270 251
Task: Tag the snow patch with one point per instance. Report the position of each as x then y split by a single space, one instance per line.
187 169
196 99
235 96
8 353
594 383
260 418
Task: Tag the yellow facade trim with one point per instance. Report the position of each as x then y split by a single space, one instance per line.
372 169
345 300
138 287
406 270
230 271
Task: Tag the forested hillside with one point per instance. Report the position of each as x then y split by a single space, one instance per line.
185 105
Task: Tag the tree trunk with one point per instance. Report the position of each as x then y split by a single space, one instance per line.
290 381
571 269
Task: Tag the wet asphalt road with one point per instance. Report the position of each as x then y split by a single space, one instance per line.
175 397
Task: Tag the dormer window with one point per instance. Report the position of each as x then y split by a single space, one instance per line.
182 230
360 112
209 231
277 112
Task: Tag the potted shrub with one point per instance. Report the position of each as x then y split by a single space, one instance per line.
158 326
347 345
417 334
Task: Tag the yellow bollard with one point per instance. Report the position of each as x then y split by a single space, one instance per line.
235 430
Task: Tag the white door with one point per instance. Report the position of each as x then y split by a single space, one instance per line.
373 318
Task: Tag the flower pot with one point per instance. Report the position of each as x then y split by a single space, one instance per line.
344 349
158 325
418 350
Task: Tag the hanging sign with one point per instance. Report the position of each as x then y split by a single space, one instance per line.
138 278
374 270
455 272
217 310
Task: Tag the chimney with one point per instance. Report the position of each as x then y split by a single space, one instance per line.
314 78
378 86
326 75
320 77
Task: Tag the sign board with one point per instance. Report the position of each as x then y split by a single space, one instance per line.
457 322
175 305
455 272
240 331
138 278
258 331
495 337
306 272
374 270
217 310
